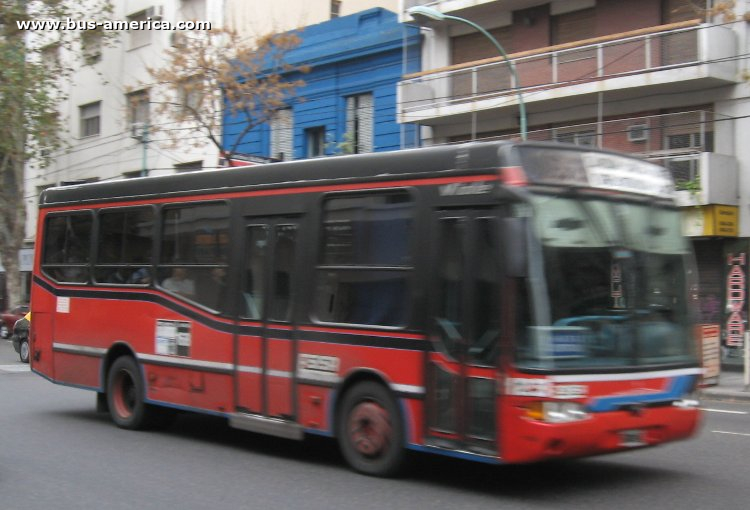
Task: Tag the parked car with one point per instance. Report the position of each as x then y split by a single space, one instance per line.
20 337
8 319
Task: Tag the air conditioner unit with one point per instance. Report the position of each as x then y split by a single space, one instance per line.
137 130
638 133
155 12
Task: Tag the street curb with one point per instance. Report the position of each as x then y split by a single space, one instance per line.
725 395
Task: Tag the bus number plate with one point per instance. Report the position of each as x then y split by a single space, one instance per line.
632 438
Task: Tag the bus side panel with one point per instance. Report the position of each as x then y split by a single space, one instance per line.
42 356
413 410
398 367
314 407
77 370
279 370
189 388
42 331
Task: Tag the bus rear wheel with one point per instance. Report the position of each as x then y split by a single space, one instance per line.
125 395
370 430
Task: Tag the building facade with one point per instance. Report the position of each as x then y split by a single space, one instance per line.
109 126
348 101
258 18
662 79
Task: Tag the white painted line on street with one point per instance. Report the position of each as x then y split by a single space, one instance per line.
15 368
731 433
722 411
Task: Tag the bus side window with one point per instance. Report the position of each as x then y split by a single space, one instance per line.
67 241
365 259
194 253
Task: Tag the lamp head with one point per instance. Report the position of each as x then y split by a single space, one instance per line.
423 15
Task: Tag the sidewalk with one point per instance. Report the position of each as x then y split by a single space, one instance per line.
731 388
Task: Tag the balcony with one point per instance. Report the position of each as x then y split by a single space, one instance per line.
679 57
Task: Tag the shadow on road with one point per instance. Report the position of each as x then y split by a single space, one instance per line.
543 482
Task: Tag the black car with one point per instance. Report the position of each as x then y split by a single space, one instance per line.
20 337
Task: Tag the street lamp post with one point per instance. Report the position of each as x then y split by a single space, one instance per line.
421 13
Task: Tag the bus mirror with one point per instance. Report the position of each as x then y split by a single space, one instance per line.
515 245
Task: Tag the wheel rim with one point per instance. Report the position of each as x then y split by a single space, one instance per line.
370 429
25 351
124 394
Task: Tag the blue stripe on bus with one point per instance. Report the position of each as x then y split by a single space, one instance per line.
677 388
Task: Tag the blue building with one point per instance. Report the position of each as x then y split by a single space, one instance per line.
348 102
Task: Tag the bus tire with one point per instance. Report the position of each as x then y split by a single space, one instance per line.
370 430
126 395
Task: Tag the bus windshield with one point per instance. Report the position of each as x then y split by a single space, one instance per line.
613 289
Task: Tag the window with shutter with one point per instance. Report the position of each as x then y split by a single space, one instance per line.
359 122
282 135
571 27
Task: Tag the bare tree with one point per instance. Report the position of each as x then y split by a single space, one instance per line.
208 74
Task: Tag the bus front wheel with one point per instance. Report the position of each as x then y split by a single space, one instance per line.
125 395
370 430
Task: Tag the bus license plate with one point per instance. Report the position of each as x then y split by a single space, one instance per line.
632 438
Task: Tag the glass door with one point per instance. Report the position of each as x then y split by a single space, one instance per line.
466 317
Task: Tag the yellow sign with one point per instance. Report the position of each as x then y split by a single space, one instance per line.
711 220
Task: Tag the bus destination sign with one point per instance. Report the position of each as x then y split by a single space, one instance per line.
610 171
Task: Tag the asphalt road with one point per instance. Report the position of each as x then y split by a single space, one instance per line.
56 452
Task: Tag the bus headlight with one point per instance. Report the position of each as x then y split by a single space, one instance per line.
556 412
688 401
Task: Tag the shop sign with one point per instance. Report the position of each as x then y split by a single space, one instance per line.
736 294
26 259
711 220
710 350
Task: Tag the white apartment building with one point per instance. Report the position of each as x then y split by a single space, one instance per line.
258 17
110 126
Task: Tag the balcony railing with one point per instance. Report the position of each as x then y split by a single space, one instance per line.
682 142
674 46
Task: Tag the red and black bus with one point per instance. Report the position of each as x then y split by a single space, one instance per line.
504 302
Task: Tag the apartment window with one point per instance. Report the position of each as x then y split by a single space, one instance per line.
132 174
51 56
282 125
138 111
335 8
142 37
572 27
193 10
192 166
191 94
585 138
359 122
365 259
90 115
315 140
91 45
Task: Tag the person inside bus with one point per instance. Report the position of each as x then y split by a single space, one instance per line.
212 289
180 283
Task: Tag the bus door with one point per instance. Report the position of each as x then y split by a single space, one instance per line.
265 348
463 364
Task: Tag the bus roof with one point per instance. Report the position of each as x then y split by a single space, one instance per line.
543 163
466 157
